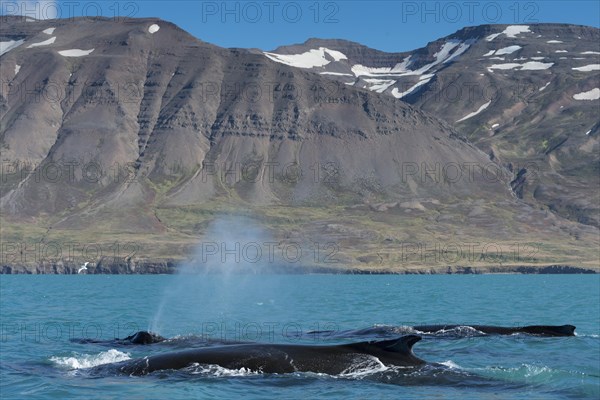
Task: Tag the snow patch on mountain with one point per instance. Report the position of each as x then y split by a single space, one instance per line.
590 52
508 50
593 94
310 59
75 52
528 66
5 47
474 113
336 73
398 69
17 69
554 41
49 31
413 89
379 85
588 68
44 43
153 28
511 32
544 87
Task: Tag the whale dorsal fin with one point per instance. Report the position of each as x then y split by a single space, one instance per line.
403 344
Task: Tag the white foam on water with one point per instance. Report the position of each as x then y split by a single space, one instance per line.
450 364
365 365
80 361
218 371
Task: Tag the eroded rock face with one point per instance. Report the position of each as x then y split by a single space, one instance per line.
144 111
524 93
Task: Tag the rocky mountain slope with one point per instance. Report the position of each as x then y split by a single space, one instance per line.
528 95
134 130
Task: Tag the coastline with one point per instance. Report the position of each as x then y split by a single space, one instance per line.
168 267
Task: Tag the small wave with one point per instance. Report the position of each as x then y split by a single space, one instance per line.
365 366
80 361
451 364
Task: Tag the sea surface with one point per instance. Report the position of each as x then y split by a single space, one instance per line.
43 316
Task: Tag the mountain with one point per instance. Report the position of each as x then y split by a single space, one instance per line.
527 95
132 130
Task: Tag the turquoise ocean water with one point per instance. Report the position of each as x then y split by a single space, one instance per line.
41 314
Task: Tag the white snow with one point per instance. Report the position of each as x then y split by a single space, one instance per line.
397 94
528 66
461 49
537 58
17 69
75 52
5 47
511 31
520 59
310 59
49 31
498 58
535 65
153 28
554 41
44 43
495 126
489 53
593 94
561 51
474 113
398 69
508 50
504 66
379 85
588 132
544 87
335 73
590 52
588 68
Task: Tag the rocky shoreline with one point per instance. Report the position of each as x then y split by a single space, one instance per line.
128 267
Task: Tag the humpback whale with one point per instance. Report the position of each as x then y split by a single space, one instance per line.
141 337
277 358
452 330
541 330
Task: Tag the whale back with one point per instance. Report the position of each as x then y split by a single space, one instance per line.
395 351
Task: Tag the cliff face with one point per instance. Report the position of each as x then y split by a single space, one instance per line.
527 95
135 131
